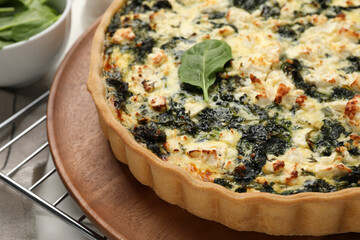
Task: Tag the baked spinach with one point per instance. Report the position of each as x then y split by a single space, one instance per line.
223 182
216 15
248 5
351 178
326 140
121 89
342 93
293 67
318 185
152 136
354 64
143 43
177 117
162 4
200 63
214 119
271 11
136 6
141 6
269 137
171 45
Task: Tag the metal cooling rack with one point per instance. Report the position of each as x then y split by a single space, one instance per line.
52 208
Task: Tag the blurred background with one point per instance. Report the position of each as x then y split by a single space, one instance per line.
19 217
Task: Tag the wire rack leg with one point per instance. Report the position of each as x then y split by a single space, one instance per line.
47 206
6 178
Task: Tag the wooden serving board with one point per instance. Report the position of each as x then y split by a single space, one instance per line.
104 188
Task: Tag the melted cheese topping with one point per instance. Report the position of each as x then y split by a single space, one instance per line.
295 60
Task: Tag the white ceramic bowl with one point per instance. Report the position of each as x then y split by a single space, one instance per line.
25 62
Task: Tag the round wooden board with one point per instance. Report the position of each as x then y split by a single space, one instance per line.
104 188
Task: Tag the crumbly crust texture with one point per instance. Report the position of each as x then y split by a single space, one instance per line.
300 214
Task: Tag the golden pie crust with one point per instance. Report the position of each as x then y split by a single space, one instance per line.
300 214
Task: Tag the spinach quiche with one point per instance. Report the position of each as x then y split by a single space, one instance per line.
243 112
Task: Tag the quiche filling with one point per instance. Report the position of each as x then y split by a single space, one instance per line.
282 117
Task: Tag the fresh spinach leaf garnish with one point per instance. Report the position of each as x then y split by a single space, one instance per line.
200 63
22 19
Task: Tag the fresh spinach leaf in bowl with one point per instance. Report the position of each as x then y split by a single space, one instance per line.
22 19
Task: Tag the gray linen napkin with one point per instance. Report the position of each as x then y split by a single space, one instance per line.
16 212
